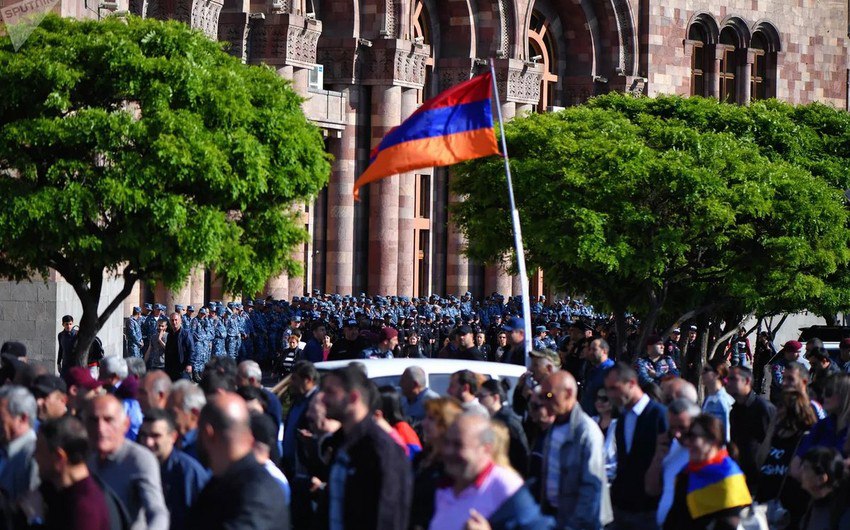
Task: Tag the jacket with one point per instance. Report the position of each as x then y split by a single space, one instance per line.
378 481
185 346
583 498
520 512
632 466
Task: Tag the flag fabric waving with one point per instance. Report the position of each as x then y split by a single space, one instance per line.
716 485
454 126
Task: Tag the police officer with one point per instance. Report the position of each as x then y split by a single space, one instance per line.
135 340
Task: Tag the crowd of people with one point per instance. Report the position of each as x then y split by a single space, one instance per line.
582 440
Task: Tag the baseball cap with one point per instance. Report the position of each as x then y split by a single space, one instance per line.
464 330
515 324
387 333
46 384
79 376
351 323
793 345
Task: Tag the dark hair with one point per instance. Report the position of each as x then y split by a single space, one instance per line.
744 371
623 372
801 369
711 429
826 461
212 381
495 387
391 405
718 364
69 434
353 377
468 377
306 370
295 333
799 415
250 393
223 365
67 318
167 416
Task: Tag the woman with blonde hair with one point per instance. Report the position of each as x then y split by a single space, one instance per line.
440 413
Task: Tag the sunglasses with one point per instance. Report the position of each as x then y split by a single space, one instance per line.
602 399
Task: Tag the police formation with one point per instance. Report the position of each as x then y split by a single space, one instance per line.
265 330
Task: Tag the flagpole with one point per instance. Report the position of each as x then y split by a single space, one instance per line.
520 252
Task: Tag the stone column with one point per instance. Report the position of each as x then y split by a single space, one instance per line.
177 296
713 78
406 211
196 297
133 299
339 258
383 197
457 264
745 75
278 287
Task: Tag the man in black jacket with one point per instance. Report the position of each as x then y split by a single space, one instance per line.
241 493
179 350
749 420
638 427
370 484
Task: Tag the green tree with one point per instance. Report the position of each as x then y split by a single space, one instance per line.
141 149
654 212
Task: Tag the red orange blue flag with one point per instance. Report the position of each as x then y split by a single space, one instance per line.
716 485
454 126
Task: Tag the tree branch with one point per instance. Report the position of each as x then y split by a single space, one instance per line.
129 281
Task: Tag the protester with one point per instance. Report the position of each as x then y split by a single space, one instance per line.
18 412
81 388
606 419
241 493
370 482
51 396
597 366
463 386
183 477
712 490
154 390
390 410
185 402
717 402
790 353
796 377
73 500
264 430
125 466
832 430
641 421
415 393
574 472
304 390
671 455
494 398
794 417
749 420
823 472
440 413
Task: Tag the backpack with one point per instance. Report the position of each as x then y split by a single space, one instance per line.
96 351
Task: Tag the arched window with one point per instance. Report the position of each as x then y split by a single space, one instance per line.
422 33
759 67
541 47
699 59
728 65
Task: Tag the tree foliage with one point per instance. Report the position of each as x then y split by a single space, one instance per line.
142 149
666 204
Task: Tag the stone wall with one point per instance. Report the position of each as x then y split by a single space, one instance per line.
811 64
31 313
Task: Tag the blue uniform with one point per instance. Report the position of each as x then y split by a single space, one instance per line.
233 338
200 334
134 337
218 334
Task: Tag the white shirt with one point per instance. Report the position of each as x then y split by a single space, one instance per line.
630 421
553 459
672 465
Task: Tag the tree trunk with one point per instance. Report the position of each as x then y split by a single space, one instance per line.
88 331
703 324
620 328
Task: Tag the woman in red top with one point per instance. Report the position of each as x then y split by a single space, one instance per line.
391 411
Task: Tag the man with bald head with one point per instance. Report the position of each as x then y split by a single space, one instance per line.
241 493
129 469
478 484
575 483
154 390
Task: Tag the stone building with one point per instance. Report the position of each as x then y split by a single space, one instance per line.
365 65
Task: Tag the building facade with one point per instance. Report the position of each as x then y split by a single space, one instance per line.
365 65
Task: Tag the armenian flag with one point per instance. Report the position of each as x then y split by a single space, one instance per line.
716 485
454 126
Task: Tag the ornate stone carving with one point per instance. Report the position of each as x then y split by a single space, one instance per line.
518 81
398 64
339 64
237 35
626 34
506 27
301 44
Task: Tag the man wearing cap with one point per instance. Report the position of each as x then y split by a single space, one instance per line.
516 339
350 345
51 396
202 338
233 337
671 346
387 341
134 333
81 387
467 349
149 325
219 332
790 353
656 364
692 357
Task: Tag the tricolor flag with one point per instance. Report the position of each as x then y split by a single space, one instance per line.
454 126
716 485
